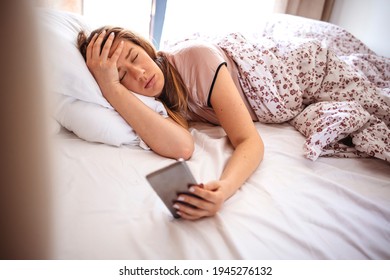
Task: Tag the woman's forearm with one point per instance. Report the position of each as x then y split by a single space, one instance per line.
238 125
162 135
244 161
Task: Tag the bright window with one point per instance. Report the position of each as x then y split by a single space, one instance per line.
130 14
186 17
182 17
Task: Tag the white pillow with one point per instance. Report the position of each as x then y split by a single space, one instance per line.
79 104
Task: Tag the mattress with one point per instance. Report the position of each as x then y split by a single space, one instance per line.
290 208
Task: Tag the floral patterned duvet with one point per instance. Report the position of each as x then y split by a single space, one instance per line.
322 80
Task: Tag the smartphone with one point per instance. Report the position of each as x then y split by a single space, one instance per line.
171 181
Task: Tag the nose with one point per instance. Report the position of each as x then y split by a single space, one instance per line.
138 73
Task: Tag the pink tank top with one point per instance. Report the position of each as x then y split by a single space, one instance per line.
198 64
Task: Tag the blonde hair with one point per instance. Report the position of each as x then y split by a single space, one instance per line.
174 95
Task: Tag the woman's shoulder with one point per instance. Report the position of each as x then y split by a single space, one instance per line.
195 49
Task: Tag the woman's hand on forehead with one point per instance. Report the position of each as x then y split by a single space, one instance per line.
103 66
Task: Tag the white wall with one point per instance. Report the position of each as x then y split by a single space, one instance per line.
368 20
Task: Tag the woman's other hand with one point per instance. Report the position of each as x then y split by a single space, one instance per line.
209 201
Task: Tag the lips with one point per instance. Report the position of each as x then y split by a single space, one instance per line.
150 83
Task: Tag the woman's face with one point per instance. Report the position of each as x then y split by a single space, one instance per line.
137 70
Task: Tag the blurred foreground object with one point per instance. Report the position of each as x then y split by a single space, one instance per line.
24 193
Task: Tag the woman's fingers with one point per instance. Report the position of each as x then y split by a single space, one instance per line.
206 203
90 47
117 53
195 202
100 64
107 46
189 207
96 47
200 191
204 200
190 213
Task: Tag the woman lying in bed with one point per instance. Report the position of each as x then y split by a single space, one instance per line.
121 61
232 84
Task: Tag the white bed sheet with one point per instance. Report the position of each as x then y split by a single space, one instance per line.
290 208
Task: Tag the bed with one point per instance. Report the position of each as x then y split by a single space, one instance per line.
290 208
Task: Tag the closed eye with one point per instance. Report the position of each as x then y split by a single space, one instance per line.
135 58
